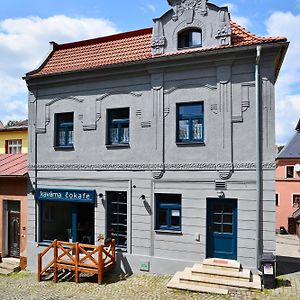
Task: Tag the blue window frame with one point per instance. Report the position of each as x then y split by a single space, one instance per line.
168 212
190 38
64 124
118 126
190 122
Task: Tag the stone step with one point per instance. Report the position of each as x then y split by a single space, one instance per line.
219 282
5 272
9 265
199 269
224 264
175 283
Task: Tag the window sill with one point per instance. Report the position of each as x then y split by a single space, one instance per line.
63 148
190 144
117 146
44 243
162 231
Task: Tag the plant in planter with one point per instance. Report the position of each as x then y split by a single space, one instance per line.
100 238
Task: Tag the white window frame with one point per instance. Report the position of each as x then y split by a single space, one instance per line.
295 194
293 171
14 144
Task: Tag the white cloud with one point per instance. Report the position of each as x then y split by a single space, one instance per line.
288 84
233 10
146 7
243 21
24 43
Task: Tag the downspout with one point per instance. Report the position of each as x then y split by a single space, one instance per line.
36 233
258 150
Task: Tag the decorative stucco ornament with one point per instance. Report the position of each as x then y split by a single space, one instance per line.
188 8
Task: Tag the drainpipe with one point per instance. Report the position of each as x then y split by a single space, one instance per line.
258 150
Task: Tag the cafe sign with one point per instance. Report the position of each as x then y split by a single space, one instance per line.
64 195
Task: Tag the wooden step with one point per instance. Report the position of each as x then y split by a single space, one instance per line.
218 282
175 283
224 264
199 269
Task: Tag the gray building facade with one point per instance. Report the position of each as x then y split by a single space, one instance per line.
151 138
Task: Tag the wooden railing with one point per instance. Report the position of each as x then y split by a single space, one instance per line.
80 258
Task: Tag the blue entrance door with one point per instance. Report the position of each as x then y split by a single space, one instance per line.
221 228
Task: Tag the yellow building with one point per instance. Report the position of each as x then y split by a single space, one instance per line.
14 139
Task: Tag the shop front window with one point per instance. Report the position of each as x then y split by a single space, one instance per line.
67 221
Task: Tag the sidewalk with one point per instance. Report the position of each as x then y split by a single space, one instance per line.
24 285
287 245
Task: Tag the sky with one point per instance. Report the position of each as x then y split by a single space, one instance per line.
27 27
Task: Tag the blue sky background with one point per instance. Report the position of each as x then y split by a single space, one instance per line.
27 26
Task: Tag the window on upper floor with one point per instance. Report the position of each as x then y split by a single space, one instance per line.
168 212
289 171
13 146
189 38
296 201
64 130
118 126
190 123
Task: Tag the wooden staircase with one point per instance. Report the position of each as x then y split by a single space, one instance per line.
217 276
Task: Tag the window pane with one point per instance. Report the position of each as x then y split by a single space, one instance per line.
175 217
296 200
290 172
227 228
217 218
163 217
197 130
190 109
125 135
196 38
70 137
227 219
114 132
184 133
217 228
62 137
57 221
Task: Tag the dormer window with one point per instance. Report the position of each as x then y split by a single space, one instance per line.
190 38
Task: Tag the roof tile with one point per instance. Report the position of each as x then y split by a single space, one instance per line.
126 47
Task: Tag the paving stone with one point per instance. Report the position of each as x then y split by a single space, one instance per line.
24 285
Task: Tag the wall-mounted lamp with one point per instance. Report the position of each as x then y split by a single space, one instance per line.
142 197
101 196
220 194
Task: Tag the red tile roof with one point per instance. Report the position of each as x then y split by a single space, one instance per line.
126 47
13 164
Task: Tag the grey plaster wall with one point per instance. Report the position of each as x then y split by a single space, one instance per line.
154 163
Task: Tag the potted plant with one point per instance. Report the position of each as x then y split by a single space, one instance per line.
100 238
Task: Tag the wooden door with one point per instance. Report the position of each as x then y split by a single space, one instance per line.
221 228
14 234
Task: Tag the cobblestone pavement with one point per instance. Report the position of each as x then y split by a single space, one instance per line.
24 285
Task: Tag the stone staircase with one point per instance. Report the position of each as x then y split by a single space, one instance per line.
9 265
217 276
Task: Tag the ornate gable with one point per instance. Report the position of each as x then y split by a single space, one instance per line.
211 21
